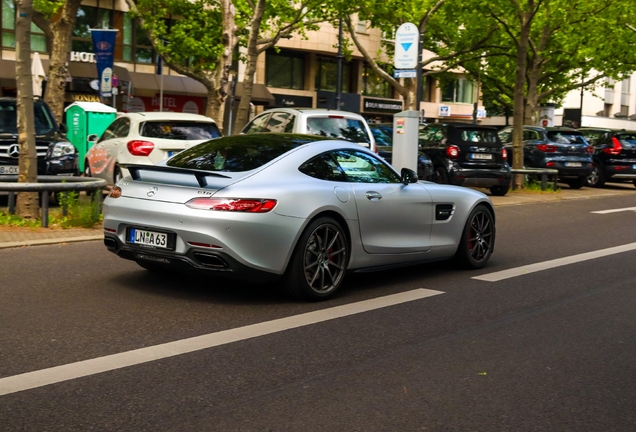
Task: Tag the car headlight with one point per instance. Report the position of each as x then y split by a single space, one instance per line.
62 149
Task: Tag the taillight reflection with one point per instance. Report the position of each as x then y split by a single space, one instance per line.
452 151
547 148
233 204
140 148
589 150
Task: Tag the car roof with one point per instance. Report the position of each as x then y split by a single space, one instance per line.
144 116
561 128
320 111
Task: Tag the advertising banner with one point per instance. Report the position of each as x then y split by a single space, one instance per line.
104 47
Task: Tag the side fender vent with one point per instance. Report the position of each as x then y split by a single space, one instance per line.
444 211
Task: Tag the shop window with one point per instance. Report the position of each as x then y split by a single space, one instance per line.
38 40
458 90
373 84
285 70
327 75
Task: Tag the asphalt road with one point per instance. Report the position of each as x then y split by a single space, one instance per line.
549 350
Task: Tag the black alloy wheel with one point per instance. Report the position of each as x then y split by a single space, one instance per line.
117 174
478 238
596 178
500 190
319 262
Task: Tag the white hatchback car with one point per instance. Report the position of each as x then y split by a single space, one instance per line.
314 121
145 138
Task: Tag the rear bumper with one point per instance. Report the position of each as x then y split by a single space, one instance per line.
479 177
624 171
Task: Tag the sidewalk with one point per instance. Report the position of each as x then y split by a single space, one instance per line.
11 237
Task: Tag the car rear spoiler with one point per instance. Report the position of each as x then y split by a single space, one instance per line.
201 176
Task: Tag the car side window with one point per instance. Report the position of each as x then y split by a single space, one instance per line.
111 131
323 167
122 130
505 135
256 126
361 167
530 135
279 122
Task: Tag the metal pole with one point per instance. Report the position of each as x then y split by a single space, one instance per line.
418 72
161 93
339 57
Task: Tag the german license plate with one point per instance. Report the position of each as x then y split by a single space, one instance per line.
573 164
172 152
481 156
634 167
148 238
9 170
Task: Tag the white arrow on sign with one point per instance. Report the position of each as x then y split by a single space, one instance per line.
615 210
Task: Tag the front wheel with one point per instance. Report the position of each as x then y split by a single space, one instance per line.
440 175
319 262
478 239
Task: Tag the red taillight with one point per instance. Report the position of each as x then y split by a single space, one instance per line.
452 151
504 154
589 150
140 148
232 204
549 164
336 116
616 150
547 148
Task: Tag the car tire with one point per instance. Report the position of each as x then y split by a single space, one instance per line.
319 262
597 178
478 239
634 181
440 175
499 190
577 183
117 174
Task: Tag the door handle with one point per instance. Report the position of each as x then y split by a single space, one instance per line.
374 196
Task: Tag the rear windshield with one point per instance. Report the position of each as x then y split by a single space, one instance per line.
338 127
381 137
238 153
479 136
180 130
43 120
628 140
566 137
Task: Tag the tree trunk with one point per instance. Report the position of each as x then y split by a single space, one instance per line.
519 93
532 100
27 205
243 113
60 30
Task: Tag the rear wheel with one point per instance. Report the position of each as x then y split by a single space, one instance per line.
500 190
117 174
319 262
577 183
440 175
478 239
596 178
634 181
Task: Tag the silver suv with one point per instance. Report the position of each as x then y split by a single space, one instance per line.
335 124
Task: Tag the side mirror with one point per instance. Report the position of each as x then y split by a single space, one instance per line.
408 176
92 138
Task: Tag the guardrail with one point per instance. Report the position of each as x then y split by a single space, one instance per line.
48 184
543 172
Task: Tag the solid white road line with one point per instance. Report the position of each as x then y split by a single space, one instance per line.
615 210
545 265
94 366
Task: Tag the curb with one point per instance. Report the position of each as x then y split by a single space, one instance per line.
50 241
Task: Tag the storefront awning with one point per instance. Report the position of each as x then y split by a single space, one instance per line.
145 84
76 69
260 94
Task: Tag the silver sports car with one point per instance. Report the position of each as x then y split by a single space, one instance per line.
298 208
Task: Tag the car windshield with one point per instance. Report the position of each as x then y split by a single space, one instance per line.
628 140
180 130
238 153
338 127
566 137
9 118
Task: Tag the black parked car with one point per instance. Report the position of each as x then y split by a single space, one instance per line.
56 156
614 155
383 135
467 155
563 149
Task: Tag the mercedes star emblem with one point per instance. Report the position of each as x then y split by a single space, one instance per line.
14 150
